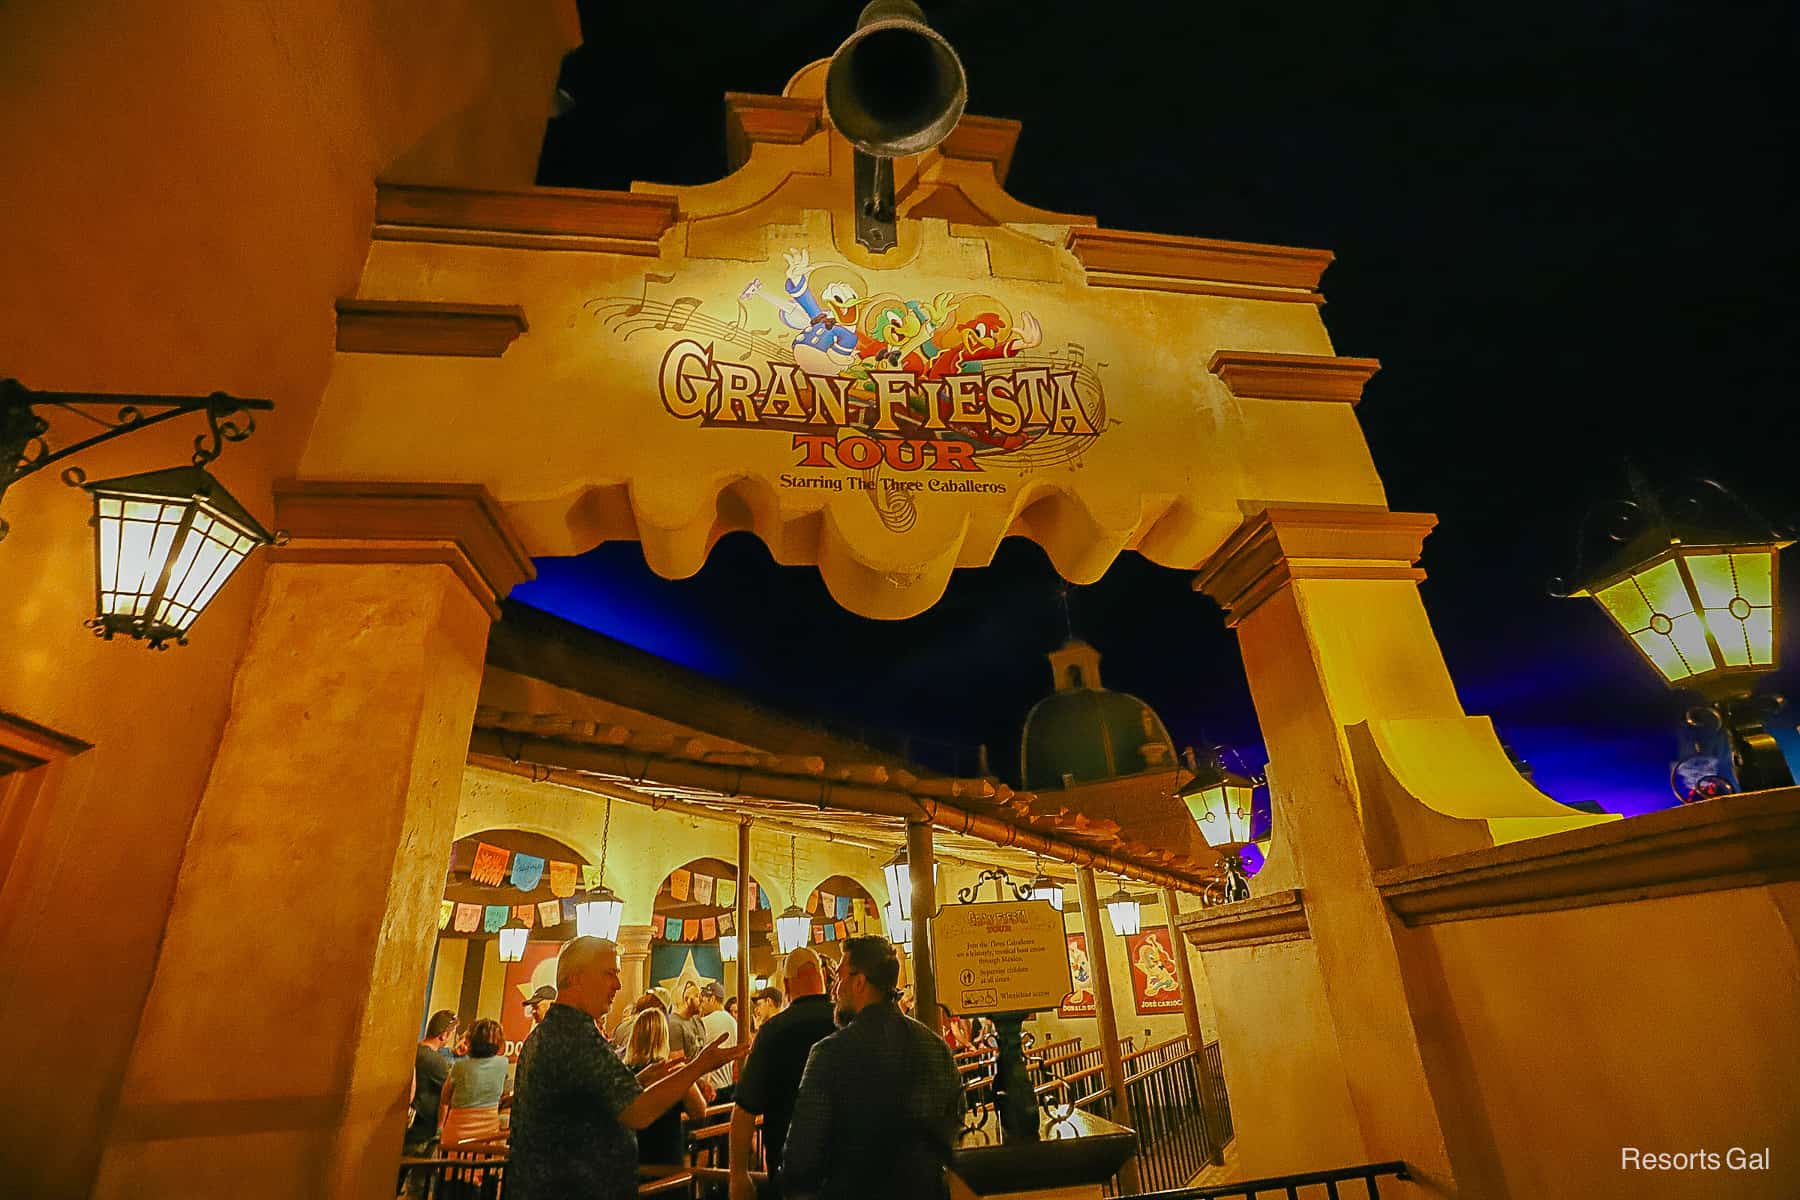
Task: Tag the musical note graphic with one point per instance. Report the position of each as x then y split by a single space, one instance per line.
678 313
644 296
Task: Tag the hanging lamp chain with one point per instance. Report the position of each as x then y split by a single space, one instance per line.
605 836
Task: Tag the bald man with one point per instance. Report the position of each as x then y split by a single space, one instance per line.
577 1110
771 1075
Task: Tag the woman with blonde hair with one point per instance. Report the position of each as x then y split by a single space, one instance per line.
470 1110
647 1045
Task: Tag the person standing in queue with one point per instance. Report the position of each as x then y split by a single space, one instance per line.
716 1022
577 1109
880 1101
770 1078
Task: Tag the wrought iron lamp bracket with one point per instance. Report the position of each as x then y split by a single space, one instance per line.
24 430
1002 884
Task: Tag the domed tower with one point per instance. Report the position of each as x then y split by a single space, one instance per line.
1105 754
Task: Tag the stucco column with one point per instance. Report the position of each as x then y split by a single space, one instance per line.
274 1055
1333 633
634 969
1095 925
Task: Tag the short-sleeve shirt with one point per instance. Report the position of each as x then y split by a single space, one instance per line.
715 1023
771 1075
432 1068
567 1142
478 1082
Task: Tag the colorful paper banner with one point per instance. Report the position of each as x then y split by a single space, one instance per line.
562 879
679 883
672 929
568 909
753 892
468 918
527 869
726 893
709 929
526 913
727 923
446 910
690 931
843 906
703 888
490 864
493 918
549 913
590 877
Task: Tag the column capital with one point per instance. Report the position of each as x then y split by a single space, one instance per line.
1277 545
633 940
457 524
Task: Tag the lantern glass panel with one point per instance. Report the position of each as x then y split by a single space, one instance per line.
792 929
898 927
1653 608
1046 889
1737 592
512 943
1124 914
599 916
898 874
728 947
165 543
1223 813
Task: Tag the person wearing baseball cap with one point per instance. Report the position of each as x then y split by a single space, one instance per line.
718 1023
537 1004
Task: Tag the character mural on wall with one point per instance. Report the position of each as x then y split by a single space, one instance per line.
1155 981
874 377
1080 1001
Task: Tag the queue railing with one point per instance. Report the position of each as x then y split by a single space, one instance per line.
1294 1187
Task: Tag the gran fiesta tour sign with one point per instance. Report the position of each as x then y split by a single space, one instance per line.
857 377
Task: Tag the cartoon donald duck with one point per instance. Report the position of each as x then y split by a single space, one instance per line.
822 310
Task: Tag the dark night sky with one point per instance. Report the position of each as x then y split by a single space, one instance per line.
1565 232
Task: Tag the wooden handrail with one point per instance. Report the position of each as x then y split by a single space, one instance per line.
1151 1070
1083 1074
1153 1049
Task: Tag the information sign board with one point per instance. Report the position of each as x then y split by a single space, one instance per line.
1001 957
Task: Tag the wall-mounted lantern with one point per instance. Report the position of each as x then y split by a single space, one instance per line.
165 541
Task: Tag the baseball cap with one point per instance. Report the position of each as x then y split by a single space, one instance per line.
544 993
713 988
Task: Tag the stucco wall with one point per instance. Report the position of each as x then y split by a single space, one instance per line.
1669 1025
187 189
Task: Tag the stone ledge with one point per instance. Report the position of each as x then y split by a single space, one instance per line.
427 327
1255 375
457 524
1202 266
1278 545
1731 842
541 218
1258 921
